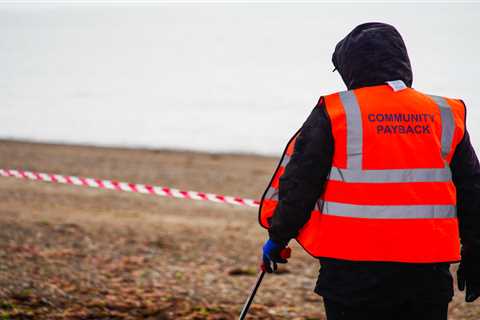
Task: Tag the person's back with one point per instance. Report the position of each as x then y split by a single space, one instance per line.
368 186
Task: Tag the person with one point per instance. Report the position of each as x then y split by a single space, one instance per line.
380 183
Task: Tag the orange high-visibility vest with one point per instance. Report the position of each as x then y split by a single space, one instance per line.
389 195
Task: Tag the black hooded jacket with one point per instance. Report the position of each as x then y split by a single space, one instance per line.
371 54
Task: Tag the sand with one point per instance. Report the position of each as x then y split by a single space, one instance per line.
71 252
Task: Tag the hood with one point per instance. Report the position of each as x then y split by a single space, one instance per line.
372 54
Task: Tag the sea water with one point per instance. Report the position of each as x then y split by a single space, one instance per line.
211 77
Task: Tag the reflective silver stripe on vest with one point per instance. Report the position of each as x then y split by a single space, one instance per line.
271 194
391 175
285 160
354 129
448 124
319 205
389 211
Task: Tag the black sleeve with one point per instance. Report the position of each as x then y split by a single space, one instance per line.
466 177
303 181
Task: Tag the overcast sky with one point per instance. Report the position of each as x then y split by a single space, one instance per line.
237 77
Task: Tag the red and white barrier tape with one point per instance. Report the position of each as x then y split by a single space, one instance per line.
128 187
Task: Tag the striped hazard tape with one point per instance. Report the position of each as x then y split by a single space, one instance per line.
128 187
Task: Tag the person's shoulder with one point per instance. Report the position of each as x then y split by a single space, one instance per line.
335 93
441 96
456 104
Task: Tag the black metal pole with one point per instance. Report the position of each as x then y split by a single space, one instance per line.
244 312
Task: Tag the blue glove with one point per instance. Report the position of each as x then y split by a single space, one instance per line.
272 255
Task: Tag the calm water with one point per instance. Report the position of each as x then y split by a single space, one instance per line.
205 77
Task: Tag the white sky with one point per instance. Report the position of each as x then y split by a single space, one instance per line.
238 77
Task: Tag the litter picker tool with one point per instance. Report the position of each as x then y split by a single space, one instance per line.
285 254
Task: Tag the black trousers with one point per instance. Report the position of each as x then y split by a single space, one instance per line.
411 310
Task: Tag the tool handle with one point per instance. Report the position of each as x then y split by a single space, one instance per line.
263 268
249 301
286 253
